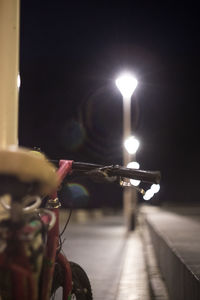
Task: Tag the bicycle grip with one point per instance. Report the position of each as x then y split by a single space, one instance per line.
143 175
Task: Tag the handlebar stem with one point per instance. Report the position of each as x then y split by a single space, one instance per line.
65 167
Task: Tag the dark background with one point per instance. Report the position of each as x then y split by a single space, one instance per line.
70 55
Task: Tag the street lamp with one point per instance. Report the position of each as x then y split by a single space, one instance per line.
127 83
131 144
155 188
134 165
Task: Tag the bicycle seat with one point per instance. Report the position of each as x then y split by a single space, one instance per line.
22 167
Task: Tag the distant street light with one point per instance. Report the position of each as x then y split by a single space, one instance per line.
127 83
134 165
131 144
155 188
150 193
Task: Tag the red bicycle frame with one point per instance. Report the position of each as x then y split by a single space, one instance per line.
65 167
19 279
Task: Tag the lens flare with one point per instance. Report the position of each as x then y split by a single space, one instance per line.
76 194
77 190
73 135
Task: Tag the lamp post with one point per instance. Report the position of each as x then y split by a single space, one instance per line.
127 83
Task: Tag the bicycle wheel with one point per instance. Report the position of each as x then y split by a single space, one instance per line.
81 289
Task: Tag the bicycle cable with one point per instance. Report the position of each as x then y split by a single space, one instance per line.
64 228
67 222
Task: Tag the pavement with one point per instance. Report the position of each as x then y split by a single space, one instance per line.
113 259
158 261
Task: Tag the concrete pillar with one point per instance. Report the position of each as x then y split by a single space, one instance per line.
9 68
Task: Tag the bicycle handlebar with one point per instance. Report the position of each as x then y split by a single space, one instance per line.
116 170
82 168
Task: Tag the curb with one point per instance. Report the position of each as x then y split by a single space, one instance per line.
157 284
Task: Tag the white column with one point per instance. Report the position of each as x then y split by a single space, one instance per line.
9 68
126 126
127 194
126 84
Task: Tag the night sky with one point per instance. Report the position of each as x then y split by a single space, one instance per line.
70 55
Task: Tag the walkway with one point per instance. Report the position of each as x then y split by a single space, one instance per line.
113 261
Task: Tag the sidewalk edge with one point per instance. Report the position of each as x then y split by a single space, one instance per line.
157 284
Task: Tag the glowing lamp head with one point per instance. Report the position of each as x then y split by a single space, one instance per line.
134 165
148 195
131 144
126 84
155 188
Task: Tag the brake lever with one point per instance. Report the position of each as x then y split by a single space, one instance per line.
128 184
101 175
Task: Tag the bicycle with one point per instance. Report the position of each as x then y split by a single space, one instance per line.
31 263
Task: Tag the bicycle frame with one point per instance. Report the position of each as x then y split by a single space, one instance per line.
22 282
65 167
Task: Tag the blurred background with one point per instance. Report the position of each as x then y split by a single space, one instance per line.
70 55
